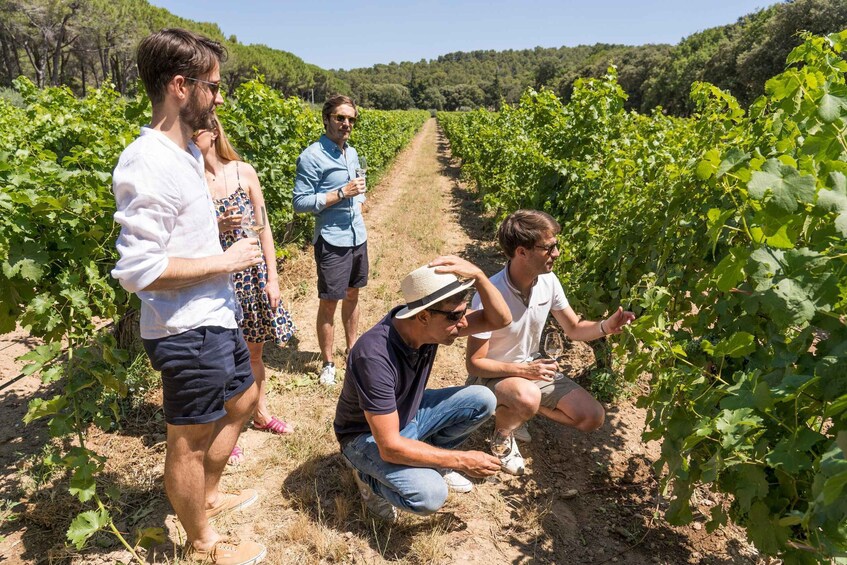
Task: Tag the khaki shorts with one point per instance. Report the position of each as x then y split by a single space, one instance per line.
551 391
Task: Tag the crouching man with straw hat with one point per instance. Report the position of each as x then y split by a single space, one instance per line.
398 436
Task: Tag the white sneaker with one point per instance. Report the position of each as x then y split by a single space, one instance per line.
455 481
522 434
512 462
376 505
327 376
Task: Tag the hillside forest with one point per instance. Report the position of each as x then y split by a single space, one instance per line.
84 43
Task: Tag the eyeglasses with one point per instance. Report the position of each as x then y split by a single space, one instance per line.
452 315
214 87
341 119
548 249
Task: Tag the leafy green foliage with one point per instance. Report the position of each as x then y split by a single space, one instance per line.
725 232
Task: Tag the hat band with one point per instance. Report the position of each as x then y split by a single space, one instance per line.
435 296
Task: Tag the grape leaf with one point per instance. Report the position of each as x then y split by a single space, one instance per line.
86 525
782 186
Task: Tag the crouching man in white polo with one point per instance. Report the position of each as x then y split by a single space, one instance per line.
505 360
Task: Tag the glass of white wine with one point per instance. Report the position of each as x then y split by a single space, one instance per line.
554 346
251 225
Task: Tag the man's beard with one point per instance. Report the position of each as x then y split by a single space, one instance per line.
196 116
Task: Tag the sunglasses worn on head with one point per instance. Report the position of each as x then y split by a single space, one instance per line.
341 119
452 315
214 87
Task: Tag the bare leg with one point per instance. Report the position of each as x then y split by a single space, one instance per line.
326 328
224 436
577 409
518 400
262 415
184 480
350 316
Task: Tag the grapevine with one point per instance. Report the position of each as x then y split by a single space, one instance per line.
727 233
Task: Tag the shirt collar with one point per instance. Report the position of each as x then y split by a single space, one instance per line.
394 335
193 152
330 146
515 290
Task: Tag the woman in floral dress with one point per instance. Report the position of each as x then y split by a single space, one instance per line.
237 194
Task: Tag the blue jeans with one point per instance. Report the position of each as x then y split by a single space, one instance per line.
445 419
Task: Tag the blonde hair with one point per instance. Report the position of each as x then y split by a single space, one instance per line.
223 147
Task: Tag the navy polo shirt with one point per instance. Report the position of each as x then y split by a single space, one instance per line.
383 375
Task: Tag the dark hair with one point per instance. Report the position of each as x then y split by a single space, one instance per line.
525 228
170 52
452 301
334 102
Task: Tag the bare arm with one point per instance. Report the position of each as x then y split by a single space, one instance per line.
495 313
399 450
584 330
182 273
479 365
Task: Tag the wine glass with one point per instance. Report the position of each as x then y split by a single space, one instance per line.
553 347
250 224
362 169
501 443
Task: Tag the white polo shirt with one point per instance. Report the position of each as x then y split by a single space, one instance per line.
519 340
165 210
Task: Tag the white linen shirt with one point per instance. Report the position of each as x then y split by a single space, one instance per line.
519 340
165 210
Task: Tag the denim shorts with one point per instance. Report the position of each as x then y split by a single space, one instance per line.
340 268
201 370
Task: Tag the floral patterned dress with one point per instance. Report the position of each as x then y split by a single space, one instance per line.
261 322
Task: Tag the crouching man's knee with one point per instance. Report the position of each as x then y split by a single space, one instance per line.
486 400
428 499
592 417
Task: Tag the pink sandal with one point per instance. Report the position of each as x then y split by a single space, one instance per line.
236 458
275 426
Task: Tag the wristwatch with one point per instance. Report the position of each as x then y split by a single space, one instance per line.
340 193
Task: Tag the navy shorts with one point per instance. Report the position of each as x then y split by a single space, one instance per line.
340 268
201 370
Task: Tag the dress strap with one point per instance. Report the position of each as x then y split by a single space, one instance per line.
237 176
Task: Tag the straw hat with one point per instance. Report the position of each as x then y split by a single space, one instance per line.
424 287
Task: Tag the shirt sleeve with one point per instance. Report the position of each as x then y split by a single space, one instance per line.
374 379
307 199
560 301
147 209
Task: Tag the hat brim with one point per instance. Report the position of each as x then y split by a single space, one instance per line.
404 312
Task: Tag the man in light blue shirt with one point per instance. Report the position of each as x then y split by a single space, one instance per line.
327 186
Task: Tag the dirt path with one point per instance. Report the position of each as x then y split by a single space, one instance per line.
586 498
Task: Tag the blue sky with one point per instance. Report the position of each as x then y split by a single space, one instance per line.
346 35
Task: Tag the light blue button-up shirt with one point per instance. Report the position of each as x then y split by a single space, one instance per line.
323 168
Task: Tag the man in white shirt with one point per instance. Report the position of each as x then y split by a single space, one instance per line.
506 360
170 257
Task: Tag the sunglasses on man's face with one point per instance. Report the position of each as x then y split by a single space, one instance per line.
341 119
548 249
214 87
452 315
